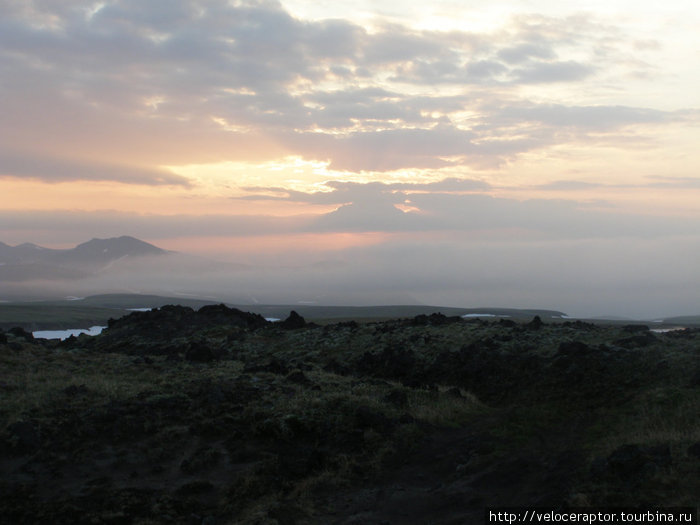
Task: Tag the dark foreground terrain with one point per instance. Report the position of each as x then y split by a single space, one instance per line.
217 416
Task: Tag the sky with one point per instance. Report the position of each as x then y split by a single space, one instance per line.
506 153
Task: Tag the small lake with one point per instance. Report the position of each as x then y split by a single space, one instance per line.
65 334
94 330
470 316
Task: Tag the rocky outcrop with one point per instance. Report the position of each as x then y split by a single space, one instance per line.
293 322
20 333
154 332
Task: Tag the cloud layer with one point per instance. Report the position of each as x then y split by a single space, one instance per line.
450 206
146 84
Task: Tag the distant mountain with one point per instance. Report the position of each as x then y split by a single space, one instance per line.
104 251
28 261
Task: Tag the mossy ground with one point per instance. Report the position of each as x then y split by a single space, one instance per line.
426 420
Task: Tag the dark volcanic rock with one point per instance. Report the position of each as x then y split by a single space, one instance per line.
594 371
171 329
293 322
687 333
454 392
635 328
171 320
273 367
573 348
298 459
221 314
24 436
298 377
159 320
398 398
76 390
392 362
194 488
694 450
695 379
635 341
202 459
535 324
352 325
200 353
631 464
434 319
21 333
337 368
580 325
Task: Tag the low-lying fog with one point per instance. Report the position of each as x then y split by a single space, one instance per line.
615 277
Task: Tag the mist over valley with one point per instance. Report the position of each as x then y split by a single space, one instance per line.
589 279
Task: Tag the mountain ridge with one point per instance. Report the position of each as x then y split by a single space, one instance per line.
29 261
